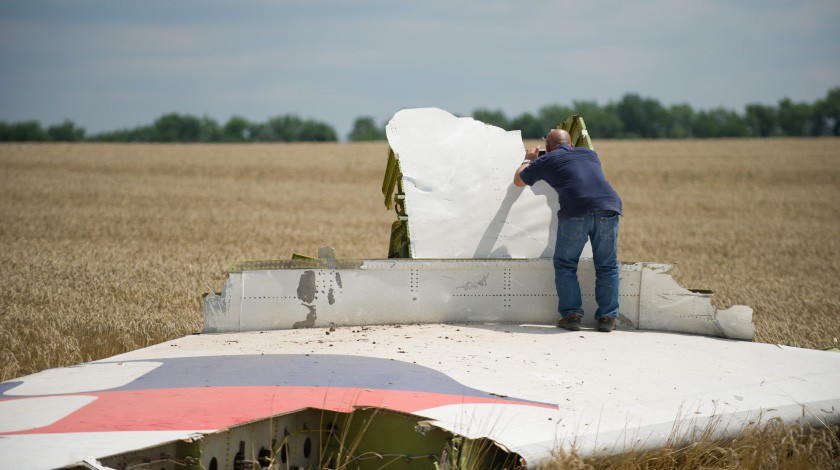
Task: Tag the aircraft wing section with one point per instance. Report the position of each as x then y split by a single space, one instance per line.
210 401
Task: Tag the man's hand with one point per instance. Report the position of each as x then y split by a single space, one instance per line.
532 153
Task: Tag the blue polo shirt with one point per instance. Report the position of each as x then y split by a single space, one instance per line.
576 174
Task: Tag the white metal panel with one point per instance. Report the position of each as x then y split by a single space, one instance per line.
666 306
50 451
34 412
84 379
438 291
460 197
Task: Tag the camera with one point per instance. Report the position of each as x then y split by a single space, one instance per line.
541 152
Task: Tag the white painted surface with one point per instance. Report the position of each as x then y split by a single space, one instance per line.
50 451
460 197
28 413
83 379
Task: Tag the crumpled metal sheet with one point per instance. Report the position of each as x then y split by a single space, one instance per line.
460 198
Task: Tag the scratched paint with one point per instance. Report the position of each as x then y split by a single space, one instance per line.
310 318
306 292
306 287
474 285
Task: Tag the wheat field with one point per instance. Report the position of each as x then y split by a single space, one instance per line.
108 248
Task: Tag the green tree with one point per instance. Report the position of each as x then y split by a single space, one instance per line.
530 126
719 122
680 121
66 132
291 128
278 129
236 129
137 134
209 130
314 131
550 116
796 119
256 131
642 117
174 127
827 113
601 122
761 120
24 131
494 117
365 129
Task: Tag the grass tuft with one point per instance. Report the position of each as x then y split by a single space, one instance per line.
769 445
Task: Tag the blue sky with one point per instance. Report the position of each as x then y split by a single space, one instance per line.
111 64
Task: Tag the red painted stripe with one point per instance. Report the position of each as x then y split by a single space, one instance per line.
206 408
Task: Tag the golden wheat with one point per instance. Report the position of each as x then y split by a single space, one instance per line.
107 248
771 445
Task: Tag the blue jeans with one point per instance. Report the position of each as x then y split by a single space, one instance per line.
601 227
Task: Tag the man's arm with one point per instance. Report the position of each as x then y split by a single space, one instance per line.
530 155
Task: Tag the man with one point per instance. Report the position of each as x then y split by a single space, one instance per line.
589 209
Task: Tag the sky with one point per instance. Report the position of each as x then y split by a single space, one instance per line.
116 64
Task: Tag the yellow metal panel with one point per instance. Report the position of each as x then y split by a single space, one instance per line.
389 168
392 177
576 128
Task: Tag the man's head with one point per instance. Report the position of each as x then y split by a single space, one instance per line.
556 137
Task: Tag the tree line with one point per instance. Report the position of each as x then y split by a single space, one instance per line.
174 127
634 116
631 117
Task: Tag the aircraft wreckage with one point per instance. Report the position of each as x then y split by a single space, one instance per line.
443 355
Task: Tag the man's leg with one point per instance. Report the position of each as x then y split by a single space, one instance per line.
571 237
604 238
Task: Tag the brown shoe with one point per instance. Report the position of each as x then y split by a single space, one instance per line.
606 324
571 322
